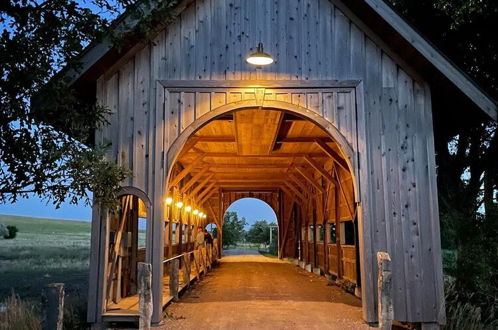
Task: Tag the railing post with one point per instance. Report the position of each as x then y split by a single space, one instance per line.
186 268
145 306
173 278
53 306
384 291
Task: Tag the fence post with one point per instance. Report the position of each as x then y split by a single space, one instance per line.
173 278
384 291
145 306
187 268
53 306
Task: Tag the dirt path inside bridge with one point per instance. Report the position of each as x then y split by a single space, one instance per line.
256 292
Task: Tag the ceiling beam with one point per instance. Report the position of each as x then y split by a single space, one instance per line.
300 184
205 191
320 169
201 185
207 197
271 155
310 179
231 139
295 191
214 165
332 154
193 180
186 170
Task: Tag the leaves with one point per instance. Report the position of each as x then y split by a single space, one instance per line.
39 42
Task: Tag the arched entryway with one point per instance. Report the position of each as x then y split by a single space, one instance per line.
298 160
260 231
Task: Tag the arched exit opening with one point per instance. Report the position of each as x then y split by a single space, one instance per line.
259 224
304 170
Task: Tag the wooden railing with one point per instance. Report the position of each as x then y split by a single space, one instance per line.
182 269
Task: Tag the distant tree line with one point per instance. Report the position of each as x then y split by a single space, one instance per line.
259 233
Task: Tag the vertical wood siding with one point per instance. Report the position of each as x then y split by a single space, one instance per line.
310 40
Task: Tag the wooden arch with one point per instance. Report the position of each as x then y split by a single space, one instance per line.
270 197
345 148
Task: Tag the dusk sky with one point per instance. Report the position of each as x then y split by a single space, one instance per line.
250 208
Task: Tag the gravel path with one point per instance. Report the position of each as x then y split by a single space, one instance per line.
256 292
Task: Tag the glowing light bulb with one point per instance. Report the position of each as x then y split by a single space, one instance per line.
204 216
188 208
259 58
196 211
179 204
201 214
169 200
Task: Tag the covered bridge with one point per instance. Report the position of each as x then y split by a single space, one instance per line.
336 135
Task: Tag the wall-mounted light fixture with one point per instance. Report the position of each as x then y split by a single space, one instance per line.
260 58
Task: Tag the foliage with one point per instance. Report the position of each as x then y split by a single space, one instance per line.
466 156
11 232
260 232
461 314
233 229
19 315
45 125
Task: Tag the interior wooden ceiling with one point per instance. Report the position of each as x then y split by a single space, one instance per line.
254 149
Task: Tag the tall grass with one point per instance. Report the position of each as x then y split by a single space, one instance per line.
461 314
18 315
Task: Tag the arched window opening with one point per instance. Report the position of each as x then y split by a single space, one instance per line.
127 246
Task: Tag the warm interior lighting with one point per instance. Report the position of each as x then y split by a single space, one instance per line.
201 214
169 200
188 208
196 211
259 58
179 205
204 216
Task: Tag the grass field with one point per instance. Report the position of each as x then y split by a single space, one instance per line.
44 251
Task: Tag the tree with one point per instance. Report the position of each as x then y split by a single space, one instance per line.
467 157
233 229
260 232
45 127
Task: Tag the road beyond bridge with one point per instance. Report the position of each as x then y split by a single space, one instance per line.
255 292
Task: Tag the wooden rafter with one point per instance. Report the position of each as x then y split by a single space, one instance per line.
332 154
186 170
320 169
193 180
201 184
205 191
207 197
295 191
300 184
271 155
310 179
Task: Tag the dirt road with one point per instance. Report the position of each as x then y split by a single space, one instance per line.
255 292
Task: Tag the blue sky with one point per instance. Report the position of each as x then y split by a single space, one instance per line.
250 208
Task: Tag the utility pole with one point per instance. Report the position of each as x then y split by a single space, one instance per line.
271 227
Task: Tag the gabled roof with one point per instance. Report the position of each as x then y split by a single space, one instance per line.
377 15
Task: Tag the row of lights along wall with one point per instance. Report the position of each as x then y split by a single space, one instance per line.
179 205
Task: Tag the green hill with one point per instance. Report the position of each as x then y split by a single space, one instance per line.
44 251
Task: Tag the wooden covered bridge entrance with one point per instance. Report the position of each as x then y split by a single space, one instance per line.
337 135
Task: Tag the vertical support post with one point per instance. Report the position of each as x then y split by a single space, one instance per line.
145 306
173 278
53 306
384 291
186 268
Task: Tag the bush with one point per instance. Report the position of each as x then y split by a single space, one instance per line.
11 232
19 315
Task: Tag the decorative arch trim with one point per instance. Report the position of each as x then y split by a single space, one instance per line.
130 190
